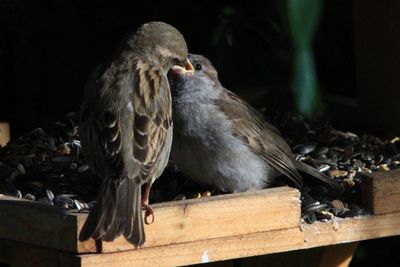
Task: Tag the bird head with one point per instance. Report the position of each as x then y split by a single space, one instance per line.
201 67
203 77
162 45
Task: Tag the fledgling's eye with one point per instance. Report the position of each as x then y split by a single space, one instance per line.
199 67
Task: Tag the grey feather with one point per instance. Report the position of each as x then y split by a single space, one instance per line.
220 140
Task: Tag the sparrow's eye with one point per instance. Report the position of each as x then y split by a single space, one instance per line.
198 67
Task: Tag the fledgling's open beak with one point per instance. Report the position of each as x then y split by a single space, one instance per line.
186 67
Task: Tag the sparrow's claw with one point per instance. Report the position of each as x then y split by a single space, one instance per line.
202 194
206 194
146 206
148 212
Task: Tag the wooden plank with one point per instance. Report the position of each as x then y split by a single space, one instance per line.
381 191
319 234
307 236
175 222
220 216
338 255
38 224
10 253
17 254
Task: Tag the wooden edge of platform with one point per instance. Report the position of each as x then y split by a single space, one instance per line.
306 236
340 231
176 222
381 191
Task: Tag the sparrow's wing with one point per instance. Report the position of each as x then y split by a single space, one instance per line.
102 141
151 102
260 136
100 129
152 110
131 134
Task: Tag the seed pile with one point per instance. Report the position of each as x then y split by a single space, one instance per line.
47 165
344 156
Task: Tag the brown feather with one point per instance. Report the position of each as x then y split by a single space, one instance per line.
126 128
260 136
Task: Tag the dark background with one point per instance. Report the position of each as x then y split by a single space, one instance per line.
48 48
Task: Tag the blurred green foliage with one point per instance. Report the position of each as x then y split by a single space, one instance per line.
276 36
303 17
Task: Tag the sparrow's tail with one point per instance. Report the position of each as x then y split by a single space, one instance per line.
117 212
319 175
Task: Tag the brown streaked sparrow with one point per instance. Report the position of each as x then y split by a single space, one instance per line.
221 140
126 128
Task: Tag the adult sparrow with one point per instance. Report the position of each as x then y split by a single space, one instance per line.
126 128
220 140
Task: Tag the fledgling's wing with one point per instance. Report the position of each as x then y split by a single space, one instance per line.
315 173
260 136
264 139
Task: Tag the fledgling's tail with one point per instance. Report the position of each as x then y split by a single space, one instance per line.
315 173
117 212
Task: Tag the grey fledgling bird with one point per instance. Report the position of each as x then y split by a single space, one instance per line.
220 140
126 128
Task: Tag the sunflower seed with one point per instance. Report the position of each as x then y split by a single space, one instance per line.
305 148
78 205
49 194
383 167
83 168
30 197
63 201
314 207
324 168
13 175
323 214
21 169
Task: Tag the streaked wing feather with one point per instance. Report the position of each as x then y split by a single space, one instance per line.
101 137
315 173
100 128
259 135
105 130
152 111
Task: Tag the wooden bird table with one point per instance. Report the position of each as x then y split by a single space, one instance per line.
200 230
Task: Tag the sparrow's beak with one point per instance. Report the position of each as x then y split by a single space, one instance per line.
186 67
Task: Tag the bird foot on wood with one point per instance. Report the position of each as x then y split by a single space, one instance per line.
148 213
202 194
